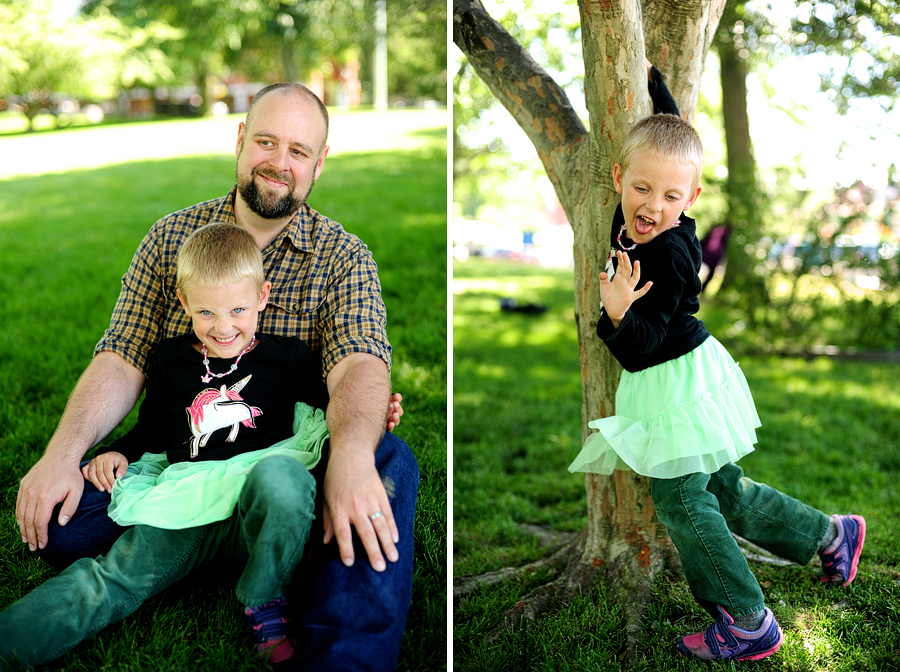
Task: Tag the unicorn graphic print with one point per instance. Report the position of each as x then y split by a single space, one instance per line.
214 409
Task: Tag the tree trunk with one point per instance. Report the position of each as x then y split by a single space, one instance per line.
624 543
740 187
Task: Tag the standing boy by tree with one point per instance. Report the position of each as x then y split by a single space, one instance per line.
684 413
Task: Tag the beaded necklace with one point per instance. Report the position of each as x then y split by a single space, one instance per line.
210 375
622 233
619 240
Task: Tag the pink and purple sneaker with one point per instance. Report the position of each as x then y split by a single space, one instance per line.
270 625
724 641
841 558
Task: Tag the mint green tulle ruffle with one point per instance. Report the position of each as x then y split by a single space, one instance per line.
188 494
691 414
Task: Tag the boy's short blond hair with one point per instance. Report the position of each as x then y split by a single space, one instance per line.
669 137
219 254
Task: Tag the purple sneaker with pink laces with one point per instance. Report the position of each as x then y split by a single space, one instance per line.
270 627
723 641
841 558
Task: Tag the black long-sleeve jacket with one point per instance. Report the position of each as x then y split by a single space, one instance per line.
660 326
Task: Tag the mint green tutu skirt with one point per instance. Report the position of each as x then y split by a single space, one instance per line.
189 494
688 415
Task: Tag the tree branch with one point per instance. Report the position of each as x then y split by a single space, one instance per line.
665 21
615 87
531 96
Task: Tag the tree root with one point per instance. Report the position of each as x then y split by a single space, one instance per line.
570 574
550 596
756 554
560 555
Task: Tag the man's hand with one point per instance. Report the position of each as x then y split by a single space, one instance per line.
48 483
395 411
105 393
104 469
618 295
354 494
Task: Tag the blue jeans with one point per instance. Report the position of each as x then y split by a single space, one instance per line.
701 510
347 618
269 529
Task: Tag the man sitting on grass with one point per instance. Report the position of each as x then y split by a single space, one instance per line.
325 291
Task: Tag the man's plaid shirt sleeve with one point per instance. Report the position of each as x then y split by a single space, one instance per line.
135 326
353 315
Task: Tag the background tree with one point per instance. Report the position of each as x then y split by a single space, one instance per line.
277 43
623 539
284 40
87 58
417 50
857 37
207 29
743 208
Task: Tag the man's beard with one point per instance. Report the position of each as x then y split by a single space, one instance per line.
270 206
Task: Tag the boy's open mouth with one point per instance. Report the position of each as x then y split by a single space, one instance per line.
643 225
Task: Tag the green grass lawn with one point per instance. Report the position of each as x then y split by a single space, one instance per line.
66 239
830 437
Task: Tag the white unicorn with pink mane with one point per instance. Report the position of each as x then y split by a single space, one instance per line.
216 409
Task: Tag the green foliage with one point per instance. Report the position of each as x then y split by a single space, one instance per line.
482 132
831 278
87 58
861 39
866 38
830 435
417 50
285 40
66 239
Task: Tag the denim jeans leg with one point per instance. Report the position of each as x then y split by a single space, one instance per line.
716 570
93 593
89 533
353 618
273 518
768 518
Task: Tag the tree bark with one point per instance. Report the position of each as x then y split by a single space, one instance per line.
679 34
623 542
740 187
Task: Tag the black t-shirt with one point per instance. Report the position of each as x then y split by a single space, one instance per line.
249 409
660 326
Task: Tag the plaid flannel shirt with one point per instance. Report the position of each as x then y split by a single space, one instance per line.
325 288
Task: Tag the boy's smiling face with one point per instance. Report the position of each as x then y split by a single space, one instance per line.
654 193
225 318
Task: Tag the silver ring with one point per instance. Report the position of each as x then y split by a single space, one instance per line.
375 516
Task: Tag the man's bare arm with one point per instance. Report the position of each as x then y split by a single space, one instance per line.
359 387
103 396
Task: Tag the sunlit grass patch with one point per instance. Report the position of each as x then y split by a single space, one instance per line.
830 436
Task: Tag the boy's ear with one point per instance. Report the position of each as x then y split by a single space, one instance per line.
264 294
184 303
693 197
618 174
